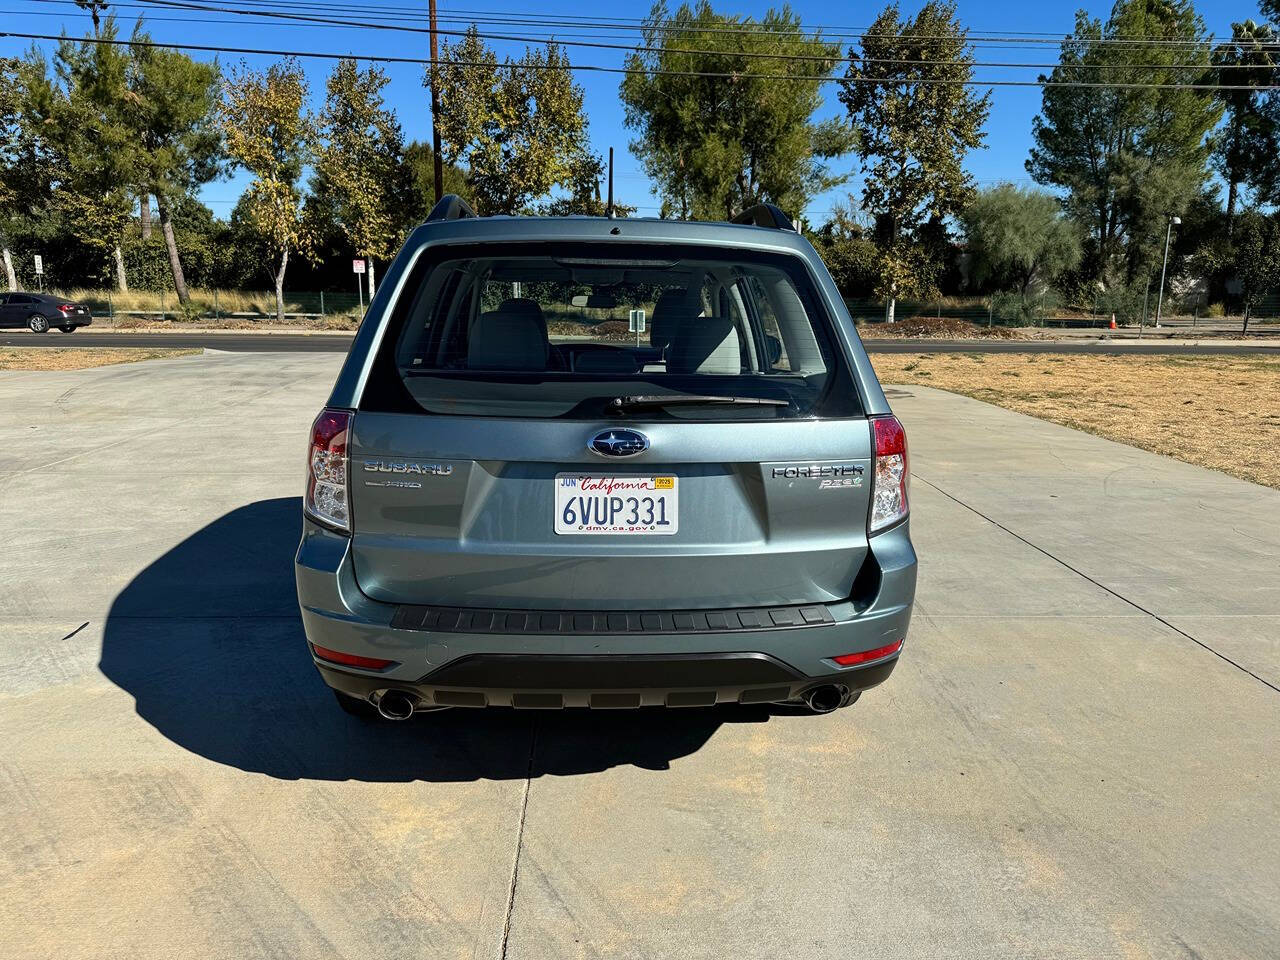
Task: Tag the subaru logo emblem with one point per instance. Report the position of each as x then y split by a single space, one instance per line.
618 443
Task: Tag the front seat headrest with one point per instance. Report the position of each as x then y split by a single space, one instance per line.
666 315
513 339
525 307
705 345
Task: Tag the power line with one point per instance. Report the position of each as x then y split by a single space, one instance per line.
642 24
999 38
631 48
599 68
294 20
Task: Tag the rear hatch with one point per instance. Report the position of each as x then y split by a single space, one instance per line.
548 428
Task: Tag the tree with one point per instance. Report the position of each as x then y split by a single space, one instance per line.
24 184
362 161
582 195
1019 239
419 158
846 247
737 135
173 103
1256 254
907 93
517 126
1127 157
1244 150
65 155
97 152
269 132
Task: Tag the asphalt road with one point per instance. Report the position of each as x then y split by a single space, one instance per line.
1076 756
338 343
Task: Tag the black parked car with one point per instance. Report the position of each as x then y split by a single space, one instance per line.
40 311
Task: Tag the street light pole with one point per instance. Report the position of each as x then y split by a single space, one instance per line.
1168 233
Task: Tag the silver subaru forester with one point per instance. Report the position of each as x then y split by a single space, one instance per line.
607 463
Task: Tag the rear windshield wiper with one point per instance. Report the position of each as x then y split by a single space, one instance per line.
691 400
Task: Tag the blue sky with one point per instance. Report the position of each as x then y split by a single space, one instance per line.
1008 130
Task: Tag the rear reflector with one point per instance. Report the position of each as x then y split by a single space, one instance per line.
350 659
865 656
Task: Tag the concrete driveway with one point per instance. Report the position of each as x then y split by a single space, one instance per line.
1079 754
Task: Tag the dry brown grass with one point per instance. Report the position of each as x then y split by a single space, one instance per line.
1217 412
329 322
78 358
258 309
936 328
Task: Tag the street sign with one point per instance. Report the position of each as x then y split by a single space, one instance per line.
357 266
39 265
637 321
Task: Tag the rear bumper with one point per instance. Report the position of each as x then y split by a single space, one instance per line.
609 682
70 320
551 659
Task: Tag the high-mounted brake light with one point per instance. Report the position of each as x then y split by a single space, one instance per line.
327 500
889 478
866 656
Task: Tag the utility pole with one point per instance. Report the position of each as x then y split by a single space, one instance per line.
435 110
1168 233
608 210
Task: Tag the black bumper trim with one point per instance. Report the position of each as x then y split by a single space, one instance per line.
596 622
611 671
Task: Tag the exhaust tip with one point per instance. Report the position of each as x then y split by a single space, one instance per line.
396 705
826 698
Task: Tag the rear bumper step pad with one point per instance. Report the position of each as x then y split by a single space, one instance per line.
595 622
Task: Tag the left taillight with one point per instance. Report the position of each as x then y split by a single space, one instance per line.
67 307
889 478
327 499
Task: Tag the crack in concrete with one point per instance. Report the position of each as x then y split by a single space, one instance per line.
515 861
1097 583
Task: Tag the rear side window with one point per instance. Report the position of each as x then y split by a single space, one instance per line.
571 331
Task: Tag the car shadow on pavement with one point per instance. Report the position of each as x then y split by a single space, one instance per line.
208 641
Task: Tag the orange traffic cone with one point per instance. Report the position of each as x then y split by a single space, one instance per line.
1113 321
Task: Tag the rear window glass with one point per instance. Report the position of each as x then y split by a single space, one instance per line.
652 332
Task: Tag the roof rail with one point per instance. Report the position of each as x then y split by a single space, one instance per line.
450 207
765 215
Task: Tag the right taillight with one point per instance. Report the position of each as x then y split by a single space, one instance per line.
889 476
327 500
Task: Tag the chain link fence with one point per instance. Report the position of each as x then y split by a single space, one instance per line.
1003 311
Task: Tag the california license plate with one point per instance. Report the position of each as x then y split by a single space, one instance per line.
587 504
